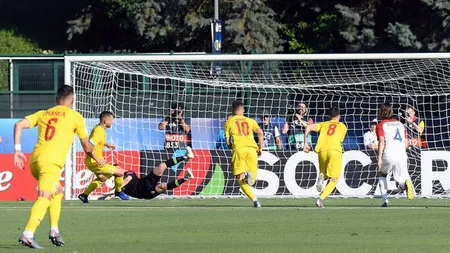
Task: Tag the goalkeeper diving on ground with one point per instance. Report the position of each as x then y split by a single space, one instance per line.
149 187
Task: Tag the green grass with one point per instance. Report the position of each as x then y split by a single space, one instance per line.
231 225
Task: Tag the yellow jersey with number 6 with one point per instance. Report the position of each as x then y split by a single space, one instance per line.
240 129
331 135
56 130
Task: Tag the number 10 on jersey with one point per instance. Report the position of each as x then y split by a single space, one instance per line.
243 128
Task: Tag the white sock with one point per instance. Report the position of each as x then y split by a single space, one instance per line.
383 188
28 234
54 229
402 186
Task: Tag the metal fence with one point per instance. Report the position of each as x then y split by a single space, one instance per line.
28 83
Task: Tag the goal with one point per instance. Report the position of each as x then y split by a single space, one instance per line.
142 91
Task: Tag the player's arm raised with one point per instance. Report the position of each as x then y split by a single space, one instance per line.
308 129
19 157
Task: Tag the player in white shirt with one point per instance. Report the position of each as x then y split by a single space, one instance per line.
370 137
392 157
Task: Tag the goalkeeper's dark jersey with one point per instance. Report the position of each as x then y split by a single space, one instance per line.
142 188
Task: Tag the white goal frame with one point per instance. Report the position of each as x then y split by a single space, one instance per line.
69 59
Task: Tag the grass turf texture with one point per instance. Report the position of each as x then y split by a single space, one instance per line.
233 225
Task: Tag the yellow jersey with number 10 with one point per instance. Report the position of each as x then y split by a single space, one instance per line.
56 130
331 135
240 129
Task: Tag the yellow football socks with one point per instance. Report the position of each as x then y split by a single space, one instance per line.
92 186
37 214
54 210
246 189
118 181
329 188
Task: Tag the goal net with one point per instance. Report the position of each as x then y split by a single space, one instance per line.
184 91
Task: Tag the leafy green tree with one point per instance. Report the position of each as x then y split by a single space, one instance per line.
182 25
313 36
251 26
437 39
12 43
357 28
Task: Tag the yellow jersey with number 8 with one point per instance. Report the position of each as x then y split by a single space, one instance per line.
56 130
331 135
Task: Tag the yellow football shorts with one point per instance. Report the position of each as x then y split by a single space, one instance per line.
243 160
330 163
47 175
107 171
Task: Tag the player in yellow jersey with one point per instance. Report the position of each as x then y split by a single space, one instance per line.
239 137
56 129
103 173
329 149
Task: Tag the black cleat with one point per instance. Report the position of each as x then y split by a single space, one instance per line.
385 205
83 198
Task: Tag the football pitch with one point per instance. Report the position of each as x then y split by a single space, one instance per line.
232 225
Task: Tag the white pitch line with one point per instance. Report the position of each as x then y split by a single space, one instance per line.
119 208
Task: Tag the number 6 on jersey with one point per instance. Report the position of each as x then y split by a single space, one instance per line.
50 129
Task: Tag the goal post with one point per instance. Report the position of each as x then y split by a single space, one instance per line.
142 90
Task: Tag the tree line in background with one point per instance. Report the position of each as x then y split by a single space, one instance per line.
251 26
